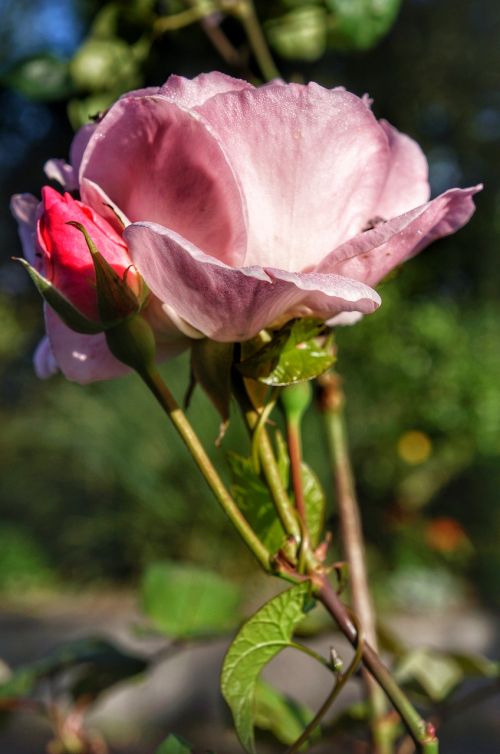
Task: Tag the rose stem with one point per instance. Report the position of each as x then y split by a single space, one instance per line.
178 20
155 383
282 503
341 681
422 733
245 11
332 404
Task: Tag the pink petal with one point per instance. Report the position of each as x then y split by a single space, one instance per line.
312 163
87 358
407 184
371 255
44 360
79 145
231 304
81 358
102 204
192 92
24 208
160 163
60 171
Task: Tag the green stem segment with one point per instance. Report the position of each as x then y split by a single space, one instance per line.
341 681
353 545
245 11
155 383
422 733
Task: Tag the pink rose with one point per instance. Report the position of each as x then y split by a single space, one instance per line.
59 252
248 206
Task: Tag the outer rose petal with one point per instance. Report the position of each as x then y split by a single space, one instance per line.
81 358
24 208
87 358
102 204
407 184
371 255
79 145
44 360
230 304
312 163
192 92
161 163
60 171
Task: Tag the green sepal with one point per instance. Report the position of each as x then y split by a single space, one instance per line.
115 299
132 342
70 315
174 745
296 353
211 364
261 638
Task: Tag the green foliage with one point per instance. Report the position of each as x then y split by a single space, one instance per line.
437 674
281 716
360 24
296 353
254 501
95 664
184 601
41 77
301 34
23 562
315 503
174 745
262 637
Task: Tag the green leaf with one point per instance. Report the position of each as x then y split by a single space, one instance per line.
41 77
296 353
478 666
174 745
360 24
184 600
280 715
262 637
300 34
69 314
253 499
96 665
211 363
439 673
315 503
435 673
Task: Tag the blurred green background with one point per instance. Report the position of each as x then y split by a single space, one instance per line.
93 482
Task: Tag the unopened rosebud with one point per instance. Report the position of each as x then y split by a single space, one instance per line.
115 298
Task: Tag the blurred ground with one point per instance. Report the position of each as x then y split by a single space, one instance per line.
181 695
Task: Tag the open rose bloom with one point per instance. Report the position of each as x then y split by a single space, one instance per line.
239 206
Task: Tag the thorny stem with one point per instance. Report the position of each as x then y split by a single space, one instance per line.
332 404
421 732
341 681
154 381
